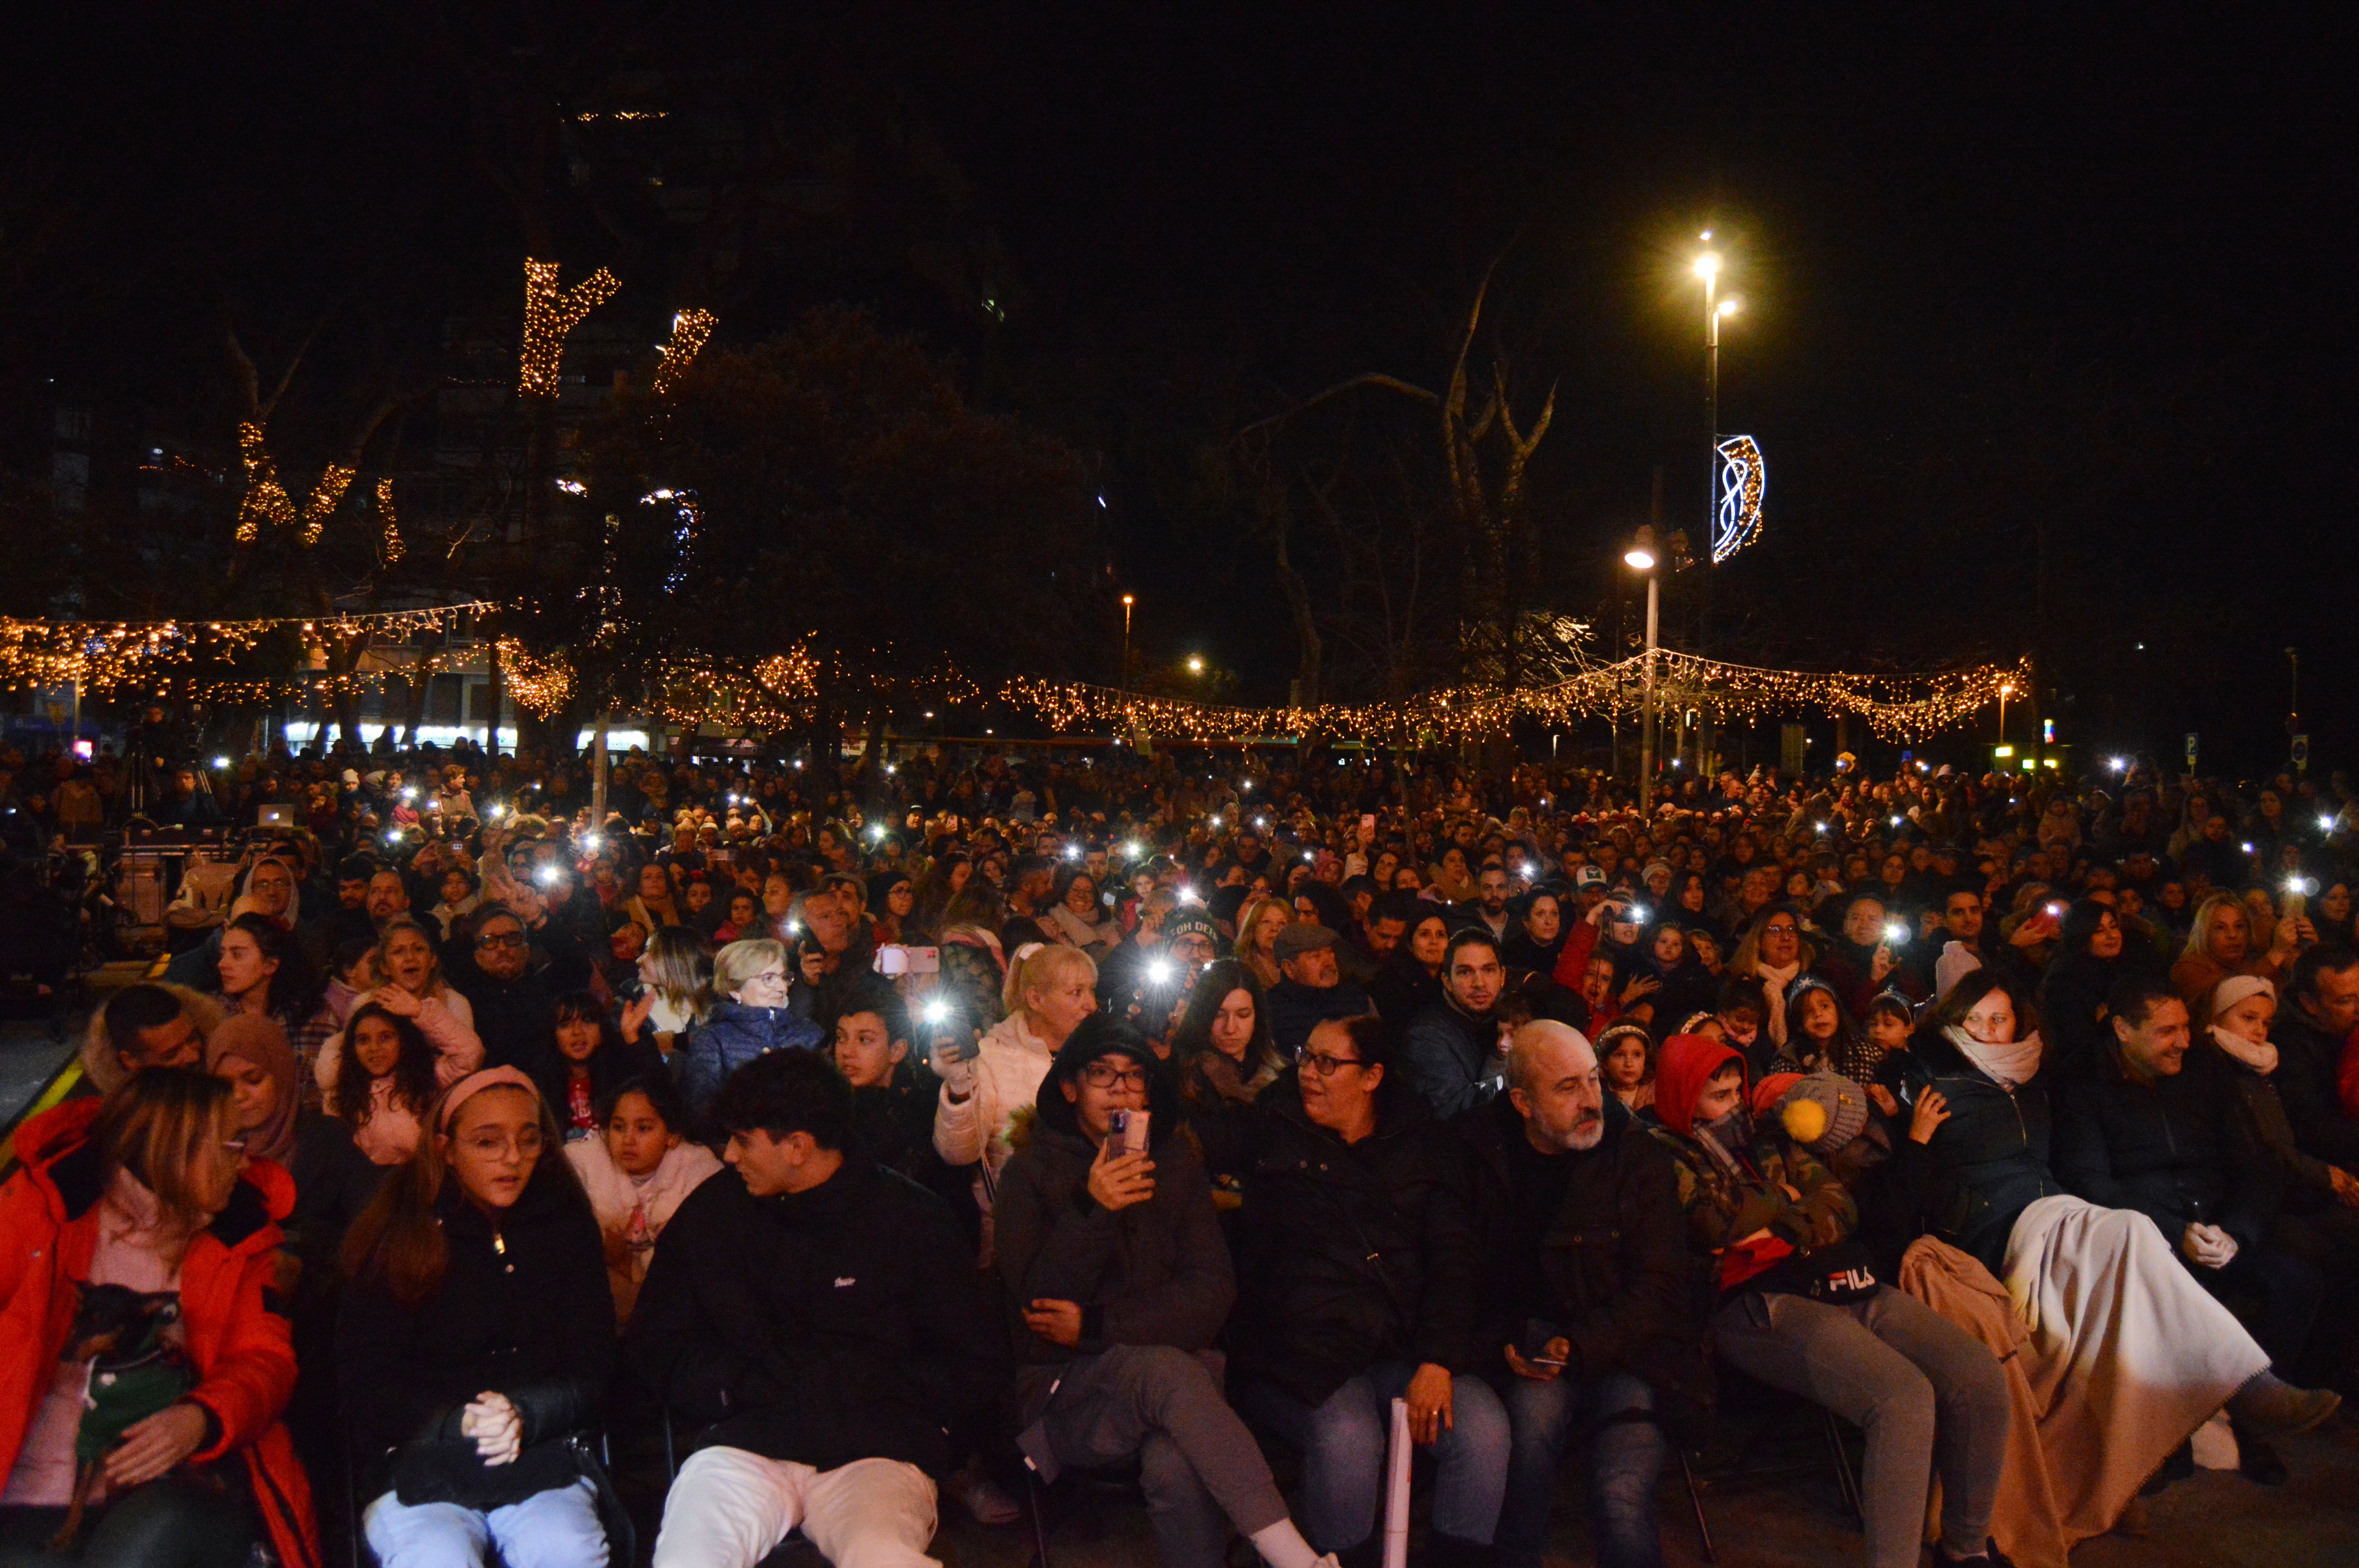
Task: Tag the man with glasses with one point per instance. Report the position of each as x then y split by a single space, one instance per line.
1359 1271
1453 1045
1118 1280
511 1004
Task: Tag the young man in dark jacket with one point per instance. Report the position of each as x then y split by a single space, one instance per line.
1118 1281
1359 1272
2321 1007
1589 1295
814 1322
1453 1045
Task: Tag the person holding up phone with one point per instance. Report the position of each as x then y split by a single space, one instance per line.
1117 1280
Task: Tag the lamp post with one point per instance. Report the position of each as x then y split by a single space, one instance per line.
1707 267
1127 601
1640 558
2005 691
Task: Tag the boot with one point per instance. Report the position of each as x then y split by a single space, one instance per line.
2256 1460
2268 1403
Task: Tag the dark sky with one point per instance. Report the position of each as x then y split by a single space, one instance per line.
2008 273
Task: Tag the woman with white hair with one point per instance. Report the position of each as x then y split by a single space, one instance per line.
750 1018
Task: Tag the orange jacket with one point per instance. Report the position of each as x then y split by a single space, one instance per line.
242 1347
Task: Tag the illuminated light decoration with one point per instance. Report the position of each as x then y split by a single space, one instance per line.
334 480
1737 520
184 659
591 117
540 686
691 330
392 523
266 499
549 315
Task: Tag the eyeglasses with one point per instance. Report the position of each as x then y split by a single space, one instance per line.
1098 1076
500 939
498 1145
1327 1067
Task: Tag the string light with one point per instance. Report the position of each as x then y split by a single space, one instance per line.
690 331
392 524
168 658
549 317
266 499
1897 706
540 684
334 480
1743 476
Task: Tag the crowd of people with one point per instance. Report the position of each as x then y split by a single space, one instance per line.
955 1121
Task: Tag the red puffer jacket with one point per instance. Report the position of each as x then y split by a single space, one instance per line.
244 1355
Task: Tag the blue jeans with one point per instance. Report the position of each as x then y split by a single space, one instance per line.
1342 1444
555 1528
1626 1459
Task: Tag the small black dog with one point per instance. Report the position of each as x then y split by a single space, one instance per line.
134 1372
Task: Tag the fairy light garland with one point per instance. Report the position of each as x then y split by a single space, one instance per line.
549 315
108 656
691 330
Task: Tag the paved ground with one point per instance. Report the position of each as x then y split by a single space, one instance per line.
2215 1520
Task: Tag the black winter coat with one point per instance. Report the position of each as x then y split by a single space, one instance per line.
1617 1277
2176 1152
523 1308
840 1323
1352 1254
2307 1059
1155 1273
513 1018
1989 1158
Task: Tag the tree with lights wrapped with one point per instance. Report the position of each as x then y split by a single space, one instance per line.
813 531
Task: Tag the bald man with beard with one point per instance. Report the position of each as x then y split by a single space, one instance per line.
1590 1319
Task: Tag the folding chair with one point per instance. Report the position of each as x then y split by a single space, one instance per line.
1740 1471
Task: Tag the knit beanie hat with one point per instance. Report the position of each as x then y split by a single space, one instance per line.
1822 1111
2236 988
1190 917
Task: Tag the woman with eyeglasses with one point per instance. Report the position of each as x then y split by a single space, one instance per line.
474 1342
751 1017
147 1195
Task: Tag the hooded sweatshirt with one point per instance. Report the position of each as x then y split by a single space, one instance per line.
1730 1191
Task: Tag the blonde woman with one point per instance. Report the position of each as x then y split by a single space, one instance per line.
1258 923
1049 990
2219 944
676 987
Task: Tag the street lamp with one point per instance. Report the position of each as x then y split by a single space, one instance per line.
1640 558
2005 691
1127 601
1195 663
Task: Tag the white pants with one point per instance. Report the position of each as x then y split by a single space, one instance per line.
729 1508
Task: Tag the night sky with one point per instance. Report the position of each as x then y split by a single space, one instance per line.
2005 275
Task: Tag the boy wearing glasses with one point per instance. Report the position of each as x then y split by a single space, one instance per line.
1118 1280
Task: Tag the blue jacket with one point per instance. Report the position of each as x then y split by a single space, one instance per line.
731 1037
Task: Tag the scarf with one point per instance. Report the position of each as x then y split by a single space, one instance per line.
1074 929
1226 1080
2257 1054
2009 1066
1773 984
260 1041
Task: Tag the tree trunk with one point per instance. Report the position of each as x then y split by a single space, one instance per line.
494 696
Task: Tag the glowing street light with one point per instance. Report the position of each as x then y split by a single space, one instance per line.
1641 558
1127 601
1195 663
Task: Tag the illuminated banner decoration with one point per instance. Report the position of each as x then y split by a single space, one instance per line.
1736 522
